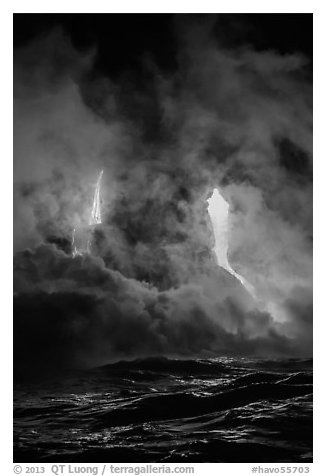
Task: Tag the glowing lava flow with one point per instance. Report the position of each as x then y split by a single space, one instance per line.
75 251
95 219
218 210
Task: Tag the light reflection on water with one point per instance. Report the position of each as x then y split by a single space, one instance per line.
219 410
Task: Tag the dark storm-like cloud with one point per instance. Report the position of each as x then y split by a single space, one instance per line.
228 117
70 312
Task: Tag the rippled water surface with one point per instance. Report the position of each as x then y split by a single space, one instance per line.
160 410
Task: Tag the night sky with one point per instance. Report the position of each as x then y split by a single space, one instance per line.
169 107
122 40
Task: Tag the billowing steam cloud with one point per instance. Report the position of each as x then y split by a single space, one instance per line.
239 120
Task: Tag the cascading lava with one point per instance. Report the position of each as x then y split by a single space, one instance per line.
218 210
95 219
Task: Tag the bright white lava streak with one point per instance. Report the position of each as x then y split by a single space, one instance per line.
94 219
218 210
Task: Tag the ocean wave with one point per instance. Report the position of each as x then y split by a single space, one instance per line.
169 410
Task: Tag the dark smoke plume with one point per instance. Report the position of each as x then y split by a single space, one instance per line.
232 118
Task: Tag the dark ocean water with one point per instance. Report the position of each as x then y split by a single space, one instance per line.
160 410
